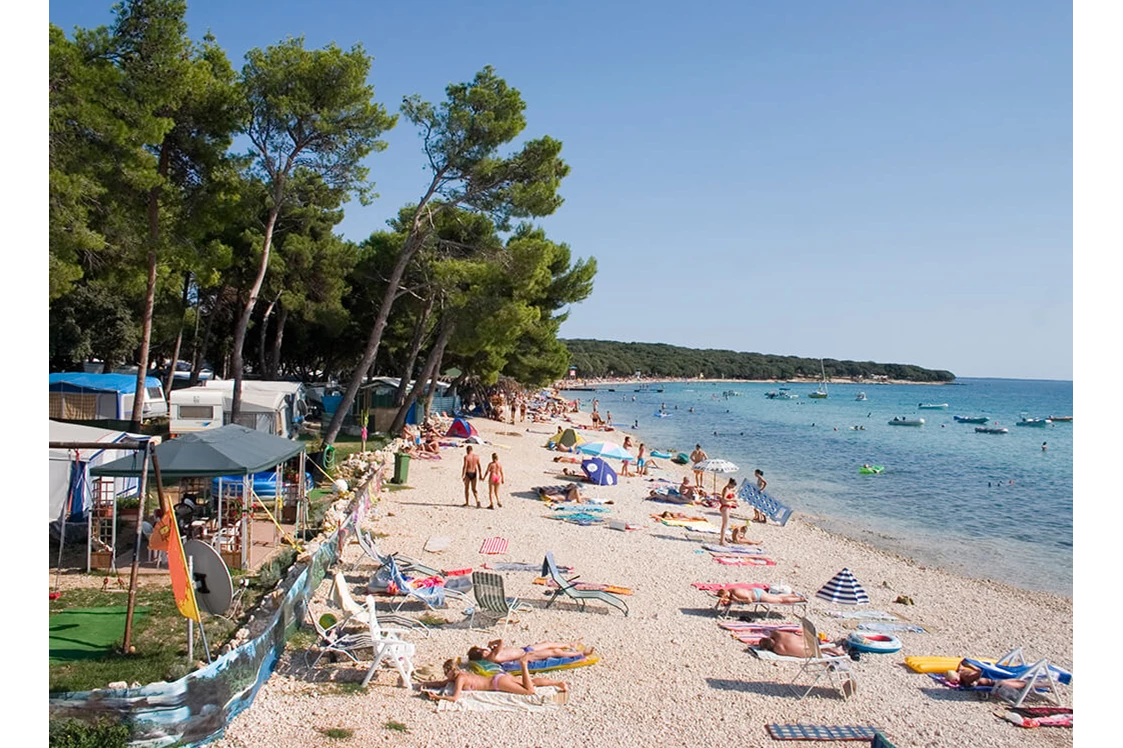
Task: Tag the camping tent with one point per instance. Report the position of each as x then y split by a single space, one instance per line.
598 472
461 428
570 438
77 396
69 469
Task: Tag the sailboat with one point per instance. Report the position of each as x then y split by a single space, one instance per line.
821 393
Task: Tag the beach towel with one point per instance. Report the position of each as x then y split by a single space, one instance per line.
522 566
614 589
887 627
821 732
727 549
484 667
715 586
580 518
494 546
1055 720
589 509
869 615
545 699
437 543
744 561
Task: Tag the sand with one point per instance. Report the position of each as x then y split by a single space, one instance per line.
668 674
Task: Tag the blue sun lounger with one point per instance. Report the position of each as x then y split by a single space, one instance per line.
775 510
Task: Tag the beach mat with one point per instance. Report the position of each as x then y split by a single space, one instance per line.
545 699
437 543
744 561
729 549
88 633
494 546
868 615
521 566
888 627
821 732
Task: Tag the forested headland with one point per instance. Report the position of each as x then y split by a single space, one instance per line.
607 358
194 206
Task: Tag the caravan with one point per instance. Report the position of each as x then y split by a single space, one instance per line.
195 409
272 407
78 396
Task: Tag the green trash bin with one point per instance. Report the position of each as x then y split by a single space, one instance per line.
401 468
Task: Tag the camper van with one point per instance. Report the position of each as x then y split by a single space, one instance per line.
272 407
195 409
78 396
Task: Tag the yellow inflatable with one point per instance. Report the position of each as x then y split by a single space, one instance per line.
936 664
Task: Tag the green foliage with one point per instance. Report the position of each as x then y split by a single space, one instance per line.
75 733
396 726
601 358
336 733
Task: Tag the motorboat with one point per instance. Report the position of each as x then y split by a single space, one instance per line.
1035 422
932 406
906 422
783 393
991 430
861 396
970 419
1062 419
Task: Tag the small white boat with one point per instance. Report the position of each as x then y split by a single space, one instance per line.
1037 422
907 422
861 396
932 406
991 430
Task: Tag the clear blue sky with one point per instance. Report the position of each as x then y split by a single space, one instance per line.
858 180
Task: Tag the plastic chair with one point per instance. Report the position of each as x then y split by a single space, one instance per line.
388 643
823 665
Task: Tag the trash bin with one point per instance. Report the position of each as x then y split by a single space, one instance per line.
401 468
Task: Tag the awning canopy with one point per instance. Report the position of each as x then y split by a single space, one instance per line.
229 450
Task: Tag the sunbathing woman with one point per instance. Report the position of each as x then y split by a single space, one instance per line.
967 675
496 652
756 595
505 682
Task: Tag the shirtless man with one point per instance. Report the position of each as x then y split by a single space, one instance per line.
498 653
695 457
791 644
470 473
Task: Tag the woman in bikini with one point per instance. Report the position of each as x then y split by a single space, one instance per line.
505 682
498 653
494 477
728 504
756 595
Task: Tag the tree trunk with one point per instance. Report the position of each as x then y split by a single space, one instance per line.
201 351
149 291
178 342
261 336
247 311
435 355
278 336
432 389
414 350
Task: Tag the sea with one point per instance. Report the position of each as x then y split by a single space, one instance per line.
991 506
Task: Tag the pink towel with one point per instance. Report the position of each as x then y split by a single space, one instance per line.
494 546
714 586
744 561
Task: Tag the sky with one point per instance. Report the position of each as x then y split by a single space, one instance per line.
861 180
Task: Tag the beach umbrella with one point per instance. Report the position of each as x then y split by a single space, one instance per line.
605 449
598 472
844 589
715 467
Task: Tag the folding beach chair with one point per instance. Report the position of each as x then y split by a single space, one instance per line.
333 639
389 647
432 597
492 600
821 665
1040 677
371 551
357 613
569 589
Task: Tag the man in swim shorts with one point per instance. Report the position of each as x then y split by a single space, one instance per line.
469 472
695 457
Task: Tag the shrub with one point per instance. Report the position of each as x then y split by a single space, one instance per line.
74 733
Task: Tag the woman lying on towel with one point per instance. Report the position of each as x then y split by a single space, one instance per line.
462 681
497 653
756 595
561 493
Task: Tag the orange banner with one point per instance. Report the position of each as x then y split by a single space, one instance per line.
165 537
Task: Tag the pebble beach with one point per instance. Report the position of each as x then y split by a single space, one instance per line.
668 674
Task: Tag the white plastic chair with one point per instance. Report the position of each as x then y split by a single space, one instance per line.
821 664
388 643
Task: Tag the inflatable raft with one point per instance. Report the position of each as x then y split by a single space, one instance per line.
871 469
873 643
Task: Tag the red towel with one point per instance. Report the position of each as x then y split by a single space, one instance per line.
494 546
744 561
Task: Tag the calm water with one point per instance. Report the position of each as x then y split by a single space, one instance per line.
988 505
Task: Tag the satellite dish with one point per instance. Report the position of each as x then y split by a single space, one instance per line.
213 588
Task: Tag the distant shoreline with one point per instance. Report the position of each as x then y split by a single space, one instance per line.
569 383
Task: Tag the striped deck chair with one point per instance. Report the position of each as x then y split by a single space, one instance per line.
492 600
1040 677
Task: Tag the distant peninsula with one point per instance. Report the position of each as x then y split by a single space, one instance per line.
608 358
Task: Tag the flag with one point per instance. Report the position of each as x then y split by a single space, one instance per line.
165 537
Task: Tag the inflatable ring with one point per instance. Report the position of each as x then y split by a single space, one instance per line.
875 643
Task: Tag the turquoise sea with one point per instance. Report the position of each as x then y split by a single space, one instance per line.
992 506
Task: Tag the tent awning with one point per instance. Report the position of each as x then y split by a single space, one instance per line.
229 450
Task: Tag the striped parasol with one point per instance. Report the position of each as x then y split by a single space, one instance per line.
844 589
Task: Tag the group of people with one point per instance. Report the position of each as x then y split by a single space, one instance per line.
470 473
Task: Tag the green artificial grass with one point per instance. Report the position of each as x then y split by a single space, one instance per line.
88 633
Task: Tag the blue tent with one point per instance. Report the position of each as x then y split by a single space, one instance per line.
598 472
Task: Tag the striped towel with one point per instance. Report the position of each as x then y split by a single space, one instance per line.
869 615
892 627
494 546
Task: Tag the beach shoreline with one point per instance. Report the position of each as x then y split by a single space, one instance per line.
567 384
668 665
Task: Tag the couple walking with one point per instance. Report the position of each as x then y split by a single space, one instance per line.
493 476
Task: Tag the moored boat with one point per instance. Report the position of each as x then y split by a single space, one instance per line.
1035 422
970 419
906 422
991 430
932 406
1062 419
861 396
783 393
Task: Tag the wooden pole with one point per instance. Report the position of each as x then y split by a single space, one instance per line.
149 452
